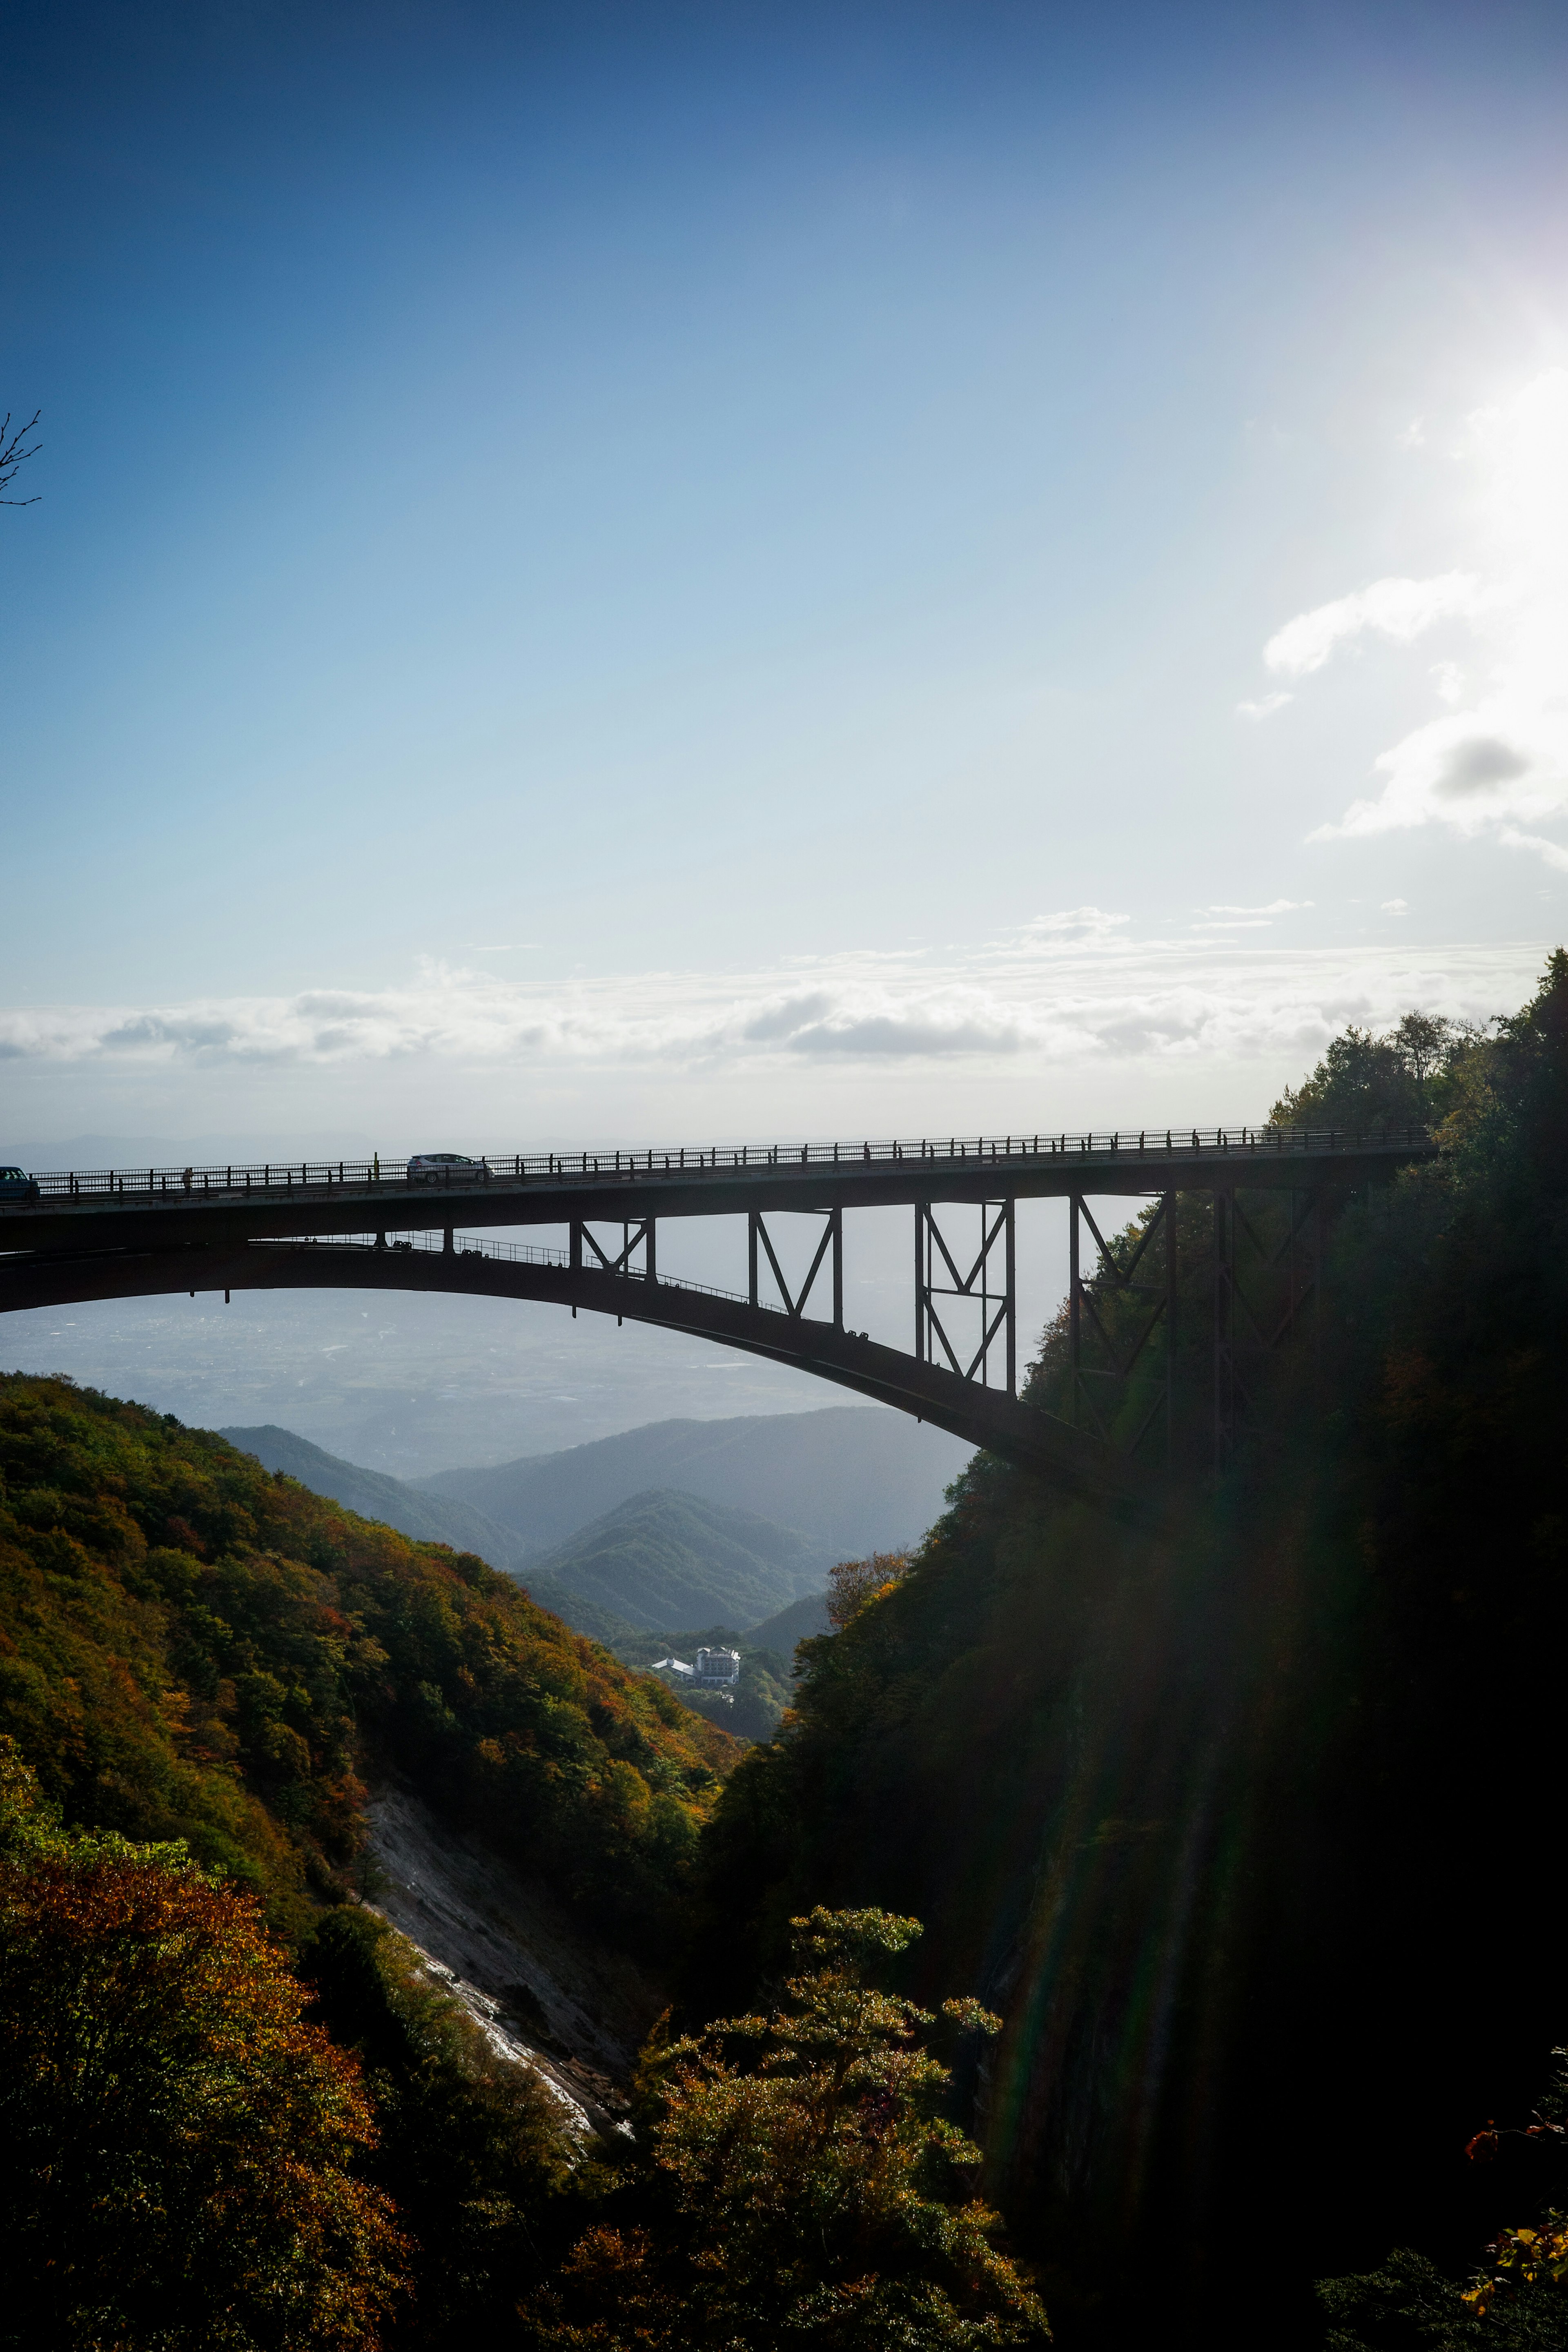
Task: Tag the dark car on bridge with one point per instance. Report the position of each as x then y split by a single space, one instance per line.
15 1185
446 1168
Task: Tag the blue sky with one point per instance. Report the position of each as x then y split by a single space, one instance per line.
680 571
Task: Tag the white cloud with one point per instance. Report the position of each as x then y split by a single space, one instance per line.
1496 764
1552 852
1034 1001
1401 609
1394 907
1078 923
1266 709
1274 907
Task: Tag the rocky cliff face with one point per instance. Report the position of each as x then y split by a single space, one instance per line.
545 1992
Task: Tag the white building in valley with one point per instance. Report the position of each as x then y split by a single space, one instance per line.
718 1669
714 1670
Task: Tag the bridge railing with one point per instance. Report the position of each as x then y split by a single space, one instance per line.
323 1178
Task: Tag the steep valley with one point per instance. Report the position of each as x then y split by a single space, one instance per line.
1236 1808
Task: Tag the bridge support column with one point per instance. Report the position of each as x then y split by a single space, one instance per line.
759 1244
1075 1305
1136 1388
998 1317
1320 1263
1224 1327
640 1236
1172 1289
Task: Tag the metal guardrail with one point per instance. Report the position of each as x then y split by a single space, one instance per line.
325 1177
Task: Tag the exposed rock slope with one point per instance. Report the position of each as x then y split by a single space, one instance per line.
543 1988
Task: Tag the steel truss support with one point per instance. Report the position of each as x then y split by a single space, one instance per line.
1122 1357
1249 1330
1225 1393
998 1307
640 1234
758 1239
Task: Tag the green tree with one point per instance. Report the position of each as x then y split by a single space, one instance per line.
178 2148
1407 1077
801 2186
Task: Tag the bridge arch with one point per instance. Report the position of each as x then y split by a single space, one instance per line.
989 1417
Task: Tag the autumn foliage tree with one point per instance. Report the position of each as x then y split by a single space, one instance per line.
801 2186
177 2145
854 1582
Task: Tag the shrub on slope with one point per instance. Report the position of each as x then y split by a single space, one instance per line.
193 1647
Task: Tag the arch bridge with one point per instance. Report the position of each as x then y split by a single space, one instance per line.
355 1224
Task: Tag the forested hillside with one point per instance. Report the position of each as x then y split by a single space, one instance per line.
193 1647
427 1517
1239 1813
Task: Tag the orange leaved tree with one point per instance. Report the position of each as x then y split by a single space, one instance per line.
176 2144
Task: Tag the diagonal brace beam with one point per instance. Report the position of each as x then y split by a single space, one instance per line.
832 1238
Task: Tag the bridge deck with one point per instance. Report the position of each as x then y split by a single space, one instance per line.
116 1208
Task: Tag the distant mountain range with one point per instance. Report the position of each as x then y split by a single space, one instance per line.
680 1523
666 1559
795 1623
853 1478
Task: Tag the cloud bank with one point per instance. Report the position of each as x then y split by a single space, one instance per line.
1065 989
1493 763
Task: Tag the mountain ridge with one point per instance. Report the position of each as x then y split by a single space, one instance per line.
376 1494
666 1558
856 1478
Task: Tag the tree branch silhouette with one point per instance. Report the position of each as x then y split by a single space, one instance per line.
12 455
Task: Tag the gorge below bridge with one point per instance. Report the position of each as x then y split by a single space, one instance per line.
357 1225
